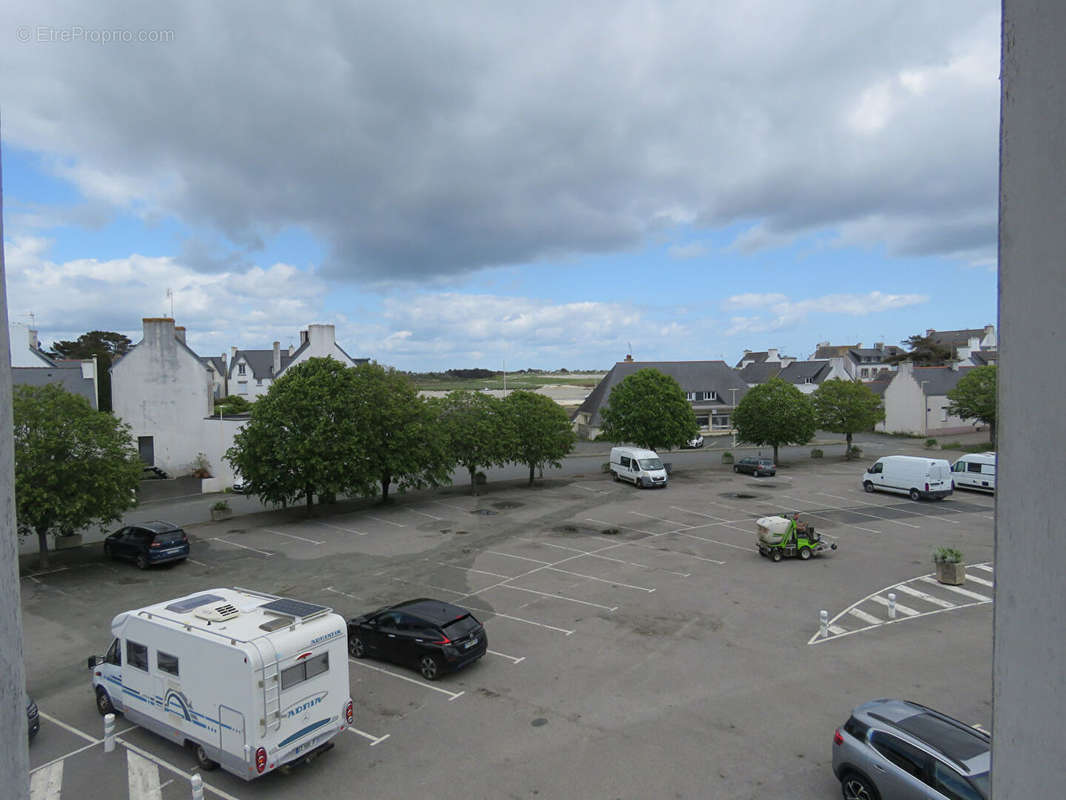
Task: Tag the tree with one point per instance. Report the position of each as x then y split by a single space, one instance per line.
233 404
775 413
304 438
541 429
73 466
405 443
106 346
924 352
846 407
974 397
649 409
475 430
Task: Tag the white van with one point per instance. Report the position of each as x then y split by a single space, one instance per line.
640 467
911 475
975 471
249 681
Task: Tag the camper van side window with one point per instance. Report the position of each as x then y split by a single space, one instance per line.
292 676
298 673
137 655
317 665
166 662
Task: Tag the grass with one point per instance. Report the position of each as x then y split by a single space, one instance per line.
514 382
980 447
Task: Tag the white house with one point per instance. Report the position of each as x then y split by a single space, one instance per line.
25 349
861 363
916 401
251 372
807 376
771 356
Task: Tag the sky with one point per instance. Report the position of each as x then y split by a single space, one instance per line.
483 184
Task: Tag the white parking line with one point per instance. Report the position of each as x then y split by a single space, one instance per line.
143 777
451 695
830 519
910 612
981 581
197 563
291 536
339 528
936 601
69 728
698 513
897 506
423 513
594 555
243 547
512 659
167 765
851 511
449 505
658 519
656 549
386 521
600 580
868 618
550 568
374 740
713 541
46 784
344 594
504 585
35 575
984 567
964 592
521 558
681 553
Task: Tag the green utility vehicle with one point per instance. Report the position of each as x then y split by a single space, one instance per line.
786 536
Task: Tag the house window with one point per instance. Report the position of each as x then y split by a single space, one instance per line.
865 372
703 422
690 396
258 381
710 395
240 368
719 422
242 387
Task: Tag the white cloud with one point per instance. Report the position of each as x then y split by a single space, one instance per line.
781 312
691 250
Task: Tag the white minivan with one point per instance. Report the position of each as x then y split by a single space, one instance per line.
910 475
975 471
640 467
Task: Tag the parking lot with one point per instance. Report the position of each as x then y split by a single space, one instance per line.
639 646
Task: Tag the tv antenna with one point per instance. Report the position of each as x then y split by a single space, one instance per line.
170 296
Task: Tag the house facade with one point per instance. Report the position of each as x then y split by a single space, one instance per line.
916 401
861 363
251 372
711 387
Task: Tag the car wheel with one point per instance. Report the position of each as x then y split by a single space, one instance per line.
855 787
615 476
868 486
357 647
429 667
142 561
775 556
805 553
915 494
103 702
202 759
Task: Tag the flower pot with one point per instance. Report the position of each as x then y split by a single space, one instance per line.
950 573
219 514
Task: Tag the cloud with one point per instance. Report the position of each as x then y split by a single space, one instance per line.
685 251
417 142
781 312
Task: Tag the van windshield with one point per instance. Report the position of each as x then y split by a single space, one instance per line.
650 463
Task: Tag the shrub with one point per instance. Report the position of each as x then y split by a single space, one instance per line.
727 457
221 505
605 466
854 452
817 453
201 466
930 442
947 555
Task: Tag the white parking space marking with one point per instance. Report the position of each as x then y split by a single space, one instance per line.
374 740
936 601
981 581
198 563
143 777
853 511
656 549
681 553
902 609
451 695
504 585
291 536
983 567
659 519
512 659
836 630
339 528
450 505
867 618
593 555
698 514
386 521
896 506
423 513
521 558
964 592
47 783
713 541
69 728
242 546
343 594
830 519
600 580
167 765
35 575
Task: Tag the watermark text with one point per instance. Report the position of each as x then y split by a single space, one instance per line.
69 34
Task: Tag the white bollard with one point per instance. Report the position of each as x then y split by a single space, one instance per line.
197 787
109 733
824 617
891 605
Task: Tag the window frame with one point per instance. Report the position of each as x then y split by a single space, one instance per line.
135 663
160 655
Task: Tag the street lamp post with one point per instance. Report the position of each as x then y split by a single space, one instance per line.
733 400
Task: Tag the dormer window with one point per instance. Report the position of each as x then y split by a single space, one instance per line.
710 395
690 396
240 368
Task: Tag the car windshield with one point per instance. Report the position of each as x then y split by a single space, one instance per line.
650 463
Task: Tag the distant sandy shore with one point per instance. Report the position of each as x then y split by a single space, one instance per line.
563 394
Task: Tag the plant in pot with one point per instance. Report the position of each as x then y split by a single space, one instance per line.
949 567
221 510
727 457
201 466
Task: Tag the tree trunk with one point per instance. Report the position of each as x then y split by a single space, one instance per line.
532 466
42 549
310 494
775 454
847 448
473 479
386 480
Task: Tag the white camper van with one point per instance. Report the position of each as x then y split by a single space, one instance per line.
911 475
640 467
250 681
975 471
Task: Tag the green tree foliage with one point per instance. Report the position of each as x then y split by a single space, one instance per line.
234 404
475 429
541 430
846 407
304 437
649 409
974 397
106 346
73 466
405 445
923 351
775 413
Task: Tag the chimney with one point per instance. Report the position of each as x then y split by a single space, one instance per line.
771 354
303 338
629 357
291 349
159 335
179 332
233 354
223 357
34 344
321 339
879 345
276 367
930 331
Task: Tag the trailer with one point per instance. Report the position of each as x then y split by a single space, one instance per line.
248 681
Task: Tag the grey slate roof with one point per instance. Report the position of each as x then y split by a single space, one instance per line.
693 376
216 361
958 338
802 371
757 357
759 373
872 352
880 383
939 380
261 362
833 351
66 375
985 357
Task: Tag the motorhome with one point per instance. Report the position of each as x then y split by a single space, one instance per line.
975 471
640 467
910 475
249 681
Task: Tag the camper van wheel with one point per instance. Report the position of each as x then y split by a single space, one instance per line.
357 647
103 702
205 763
775 556
805 553
915 494
429 668
868 486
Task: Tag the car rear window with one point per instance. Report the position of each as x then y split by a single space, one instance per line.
856 728
459 628
171 537
953 740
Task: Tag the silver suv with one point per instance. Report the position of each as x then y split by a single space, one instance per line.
899 750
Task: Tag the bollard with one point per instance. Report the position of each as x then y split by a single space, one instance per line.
891 605
109 733
824 617
197 787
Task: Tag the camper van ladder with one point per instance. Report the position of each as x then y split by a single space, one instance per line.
271 696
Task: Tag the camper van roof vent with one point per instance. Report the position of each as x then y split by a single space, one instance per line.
220 613
189 603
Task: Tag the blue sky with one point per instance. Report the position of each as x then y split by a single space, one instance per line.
576 181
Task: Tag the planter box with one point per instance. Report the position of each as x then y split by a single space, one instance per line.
219 514
950 574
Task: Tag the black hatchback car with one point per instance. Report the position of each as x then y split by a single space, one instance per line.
148 543
430 635
755 466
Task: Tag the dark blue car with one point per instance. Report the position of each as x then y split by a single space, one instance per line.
148 543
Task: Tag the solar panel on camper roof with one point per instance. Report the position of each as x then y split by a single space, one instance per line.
189 603
292 608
